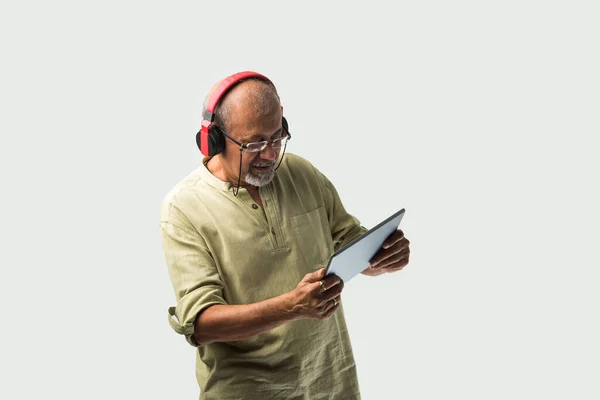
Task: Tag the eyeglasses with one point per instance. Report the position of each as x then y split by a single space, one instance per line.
256 147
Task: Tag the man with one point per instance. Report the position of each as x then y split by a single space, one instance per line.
246 237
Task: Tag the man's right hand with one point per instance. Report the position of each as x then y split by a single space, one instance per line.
317 297
310 299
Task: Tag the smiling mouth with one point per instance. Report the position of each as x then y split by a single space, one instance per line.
264 168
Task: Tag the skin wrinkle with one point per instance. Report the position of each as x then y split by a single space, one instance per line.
263 97
250 109
240 313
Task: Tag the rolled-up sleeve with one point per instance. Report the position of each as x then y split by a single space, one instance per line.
193 273
344 226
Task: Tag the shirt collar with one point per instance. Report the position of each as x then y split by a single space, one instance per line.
212 180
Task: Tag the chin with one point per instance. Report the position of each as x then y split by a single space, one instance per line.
259 179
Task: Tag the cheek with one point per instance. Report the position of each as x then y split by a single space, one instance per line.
247 160
233 161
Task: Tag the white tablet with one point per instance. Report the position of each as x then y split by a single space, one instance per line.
354 257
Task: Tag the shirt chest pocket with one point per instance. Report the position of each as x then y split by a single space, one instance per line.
312 238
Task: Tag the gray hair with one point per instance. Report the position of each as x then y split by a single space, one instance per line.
264 99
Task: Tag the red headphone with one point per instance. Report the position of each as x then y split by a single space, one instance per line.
210 139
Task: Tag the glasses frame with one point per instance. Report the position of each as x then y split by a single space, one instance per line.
244 146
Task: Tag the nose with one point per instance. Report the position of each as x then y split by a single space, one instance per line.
268 153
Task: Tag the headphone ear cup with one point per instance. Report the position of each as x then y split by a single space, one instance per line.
199 141
210 139
285 124
216 140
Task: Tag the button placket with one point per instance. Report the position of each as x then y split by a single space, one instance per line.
276 216
247 201
268 208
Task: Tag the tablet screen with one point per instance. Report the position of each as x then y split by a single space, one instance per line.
354 257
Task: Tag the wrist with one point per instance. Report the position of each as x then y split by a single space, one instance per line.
287 302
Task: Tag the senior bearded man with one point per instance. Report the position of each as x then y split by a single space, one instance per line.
246 237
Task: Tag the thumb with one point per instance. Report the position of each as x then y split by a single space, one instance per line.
316 275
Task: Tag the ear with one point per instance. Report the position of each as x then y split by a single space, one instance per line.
216 140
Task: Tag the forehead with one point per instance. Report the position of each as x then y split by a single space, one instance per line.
256 135
254 111
255 127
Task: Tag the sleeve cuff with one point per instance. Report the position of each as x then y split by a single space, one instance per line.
186 328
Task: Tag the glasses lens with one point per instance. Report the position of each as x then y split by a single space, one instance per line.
255 147
277 143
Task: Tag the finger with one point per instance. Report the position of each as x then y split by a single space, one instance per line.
335 302
326 284
332 293
383 255
397 247
317 279
327 305
316 287
396 266
393 259
333 308
380 256
400 244
314 276
392 239
330 281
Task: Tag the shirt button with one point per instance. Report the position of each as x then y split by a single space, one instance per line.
255 206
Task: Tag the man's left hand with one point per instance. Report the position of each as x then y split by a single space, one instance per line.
393 255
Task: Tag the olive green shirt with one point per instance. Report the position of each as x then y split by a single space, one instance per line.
223 249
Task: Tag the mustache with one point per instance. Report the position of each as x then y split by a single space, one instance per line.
264 164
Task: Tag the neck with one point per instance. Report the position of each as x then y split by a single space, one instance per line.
216 167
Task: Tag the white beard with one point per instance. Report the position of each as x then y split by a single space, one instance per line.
259 179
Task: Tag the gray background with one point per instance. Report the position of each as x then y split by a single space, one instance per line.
480 118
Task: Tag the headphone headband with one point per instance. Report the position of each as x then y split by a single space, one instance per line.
223 87
209 139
